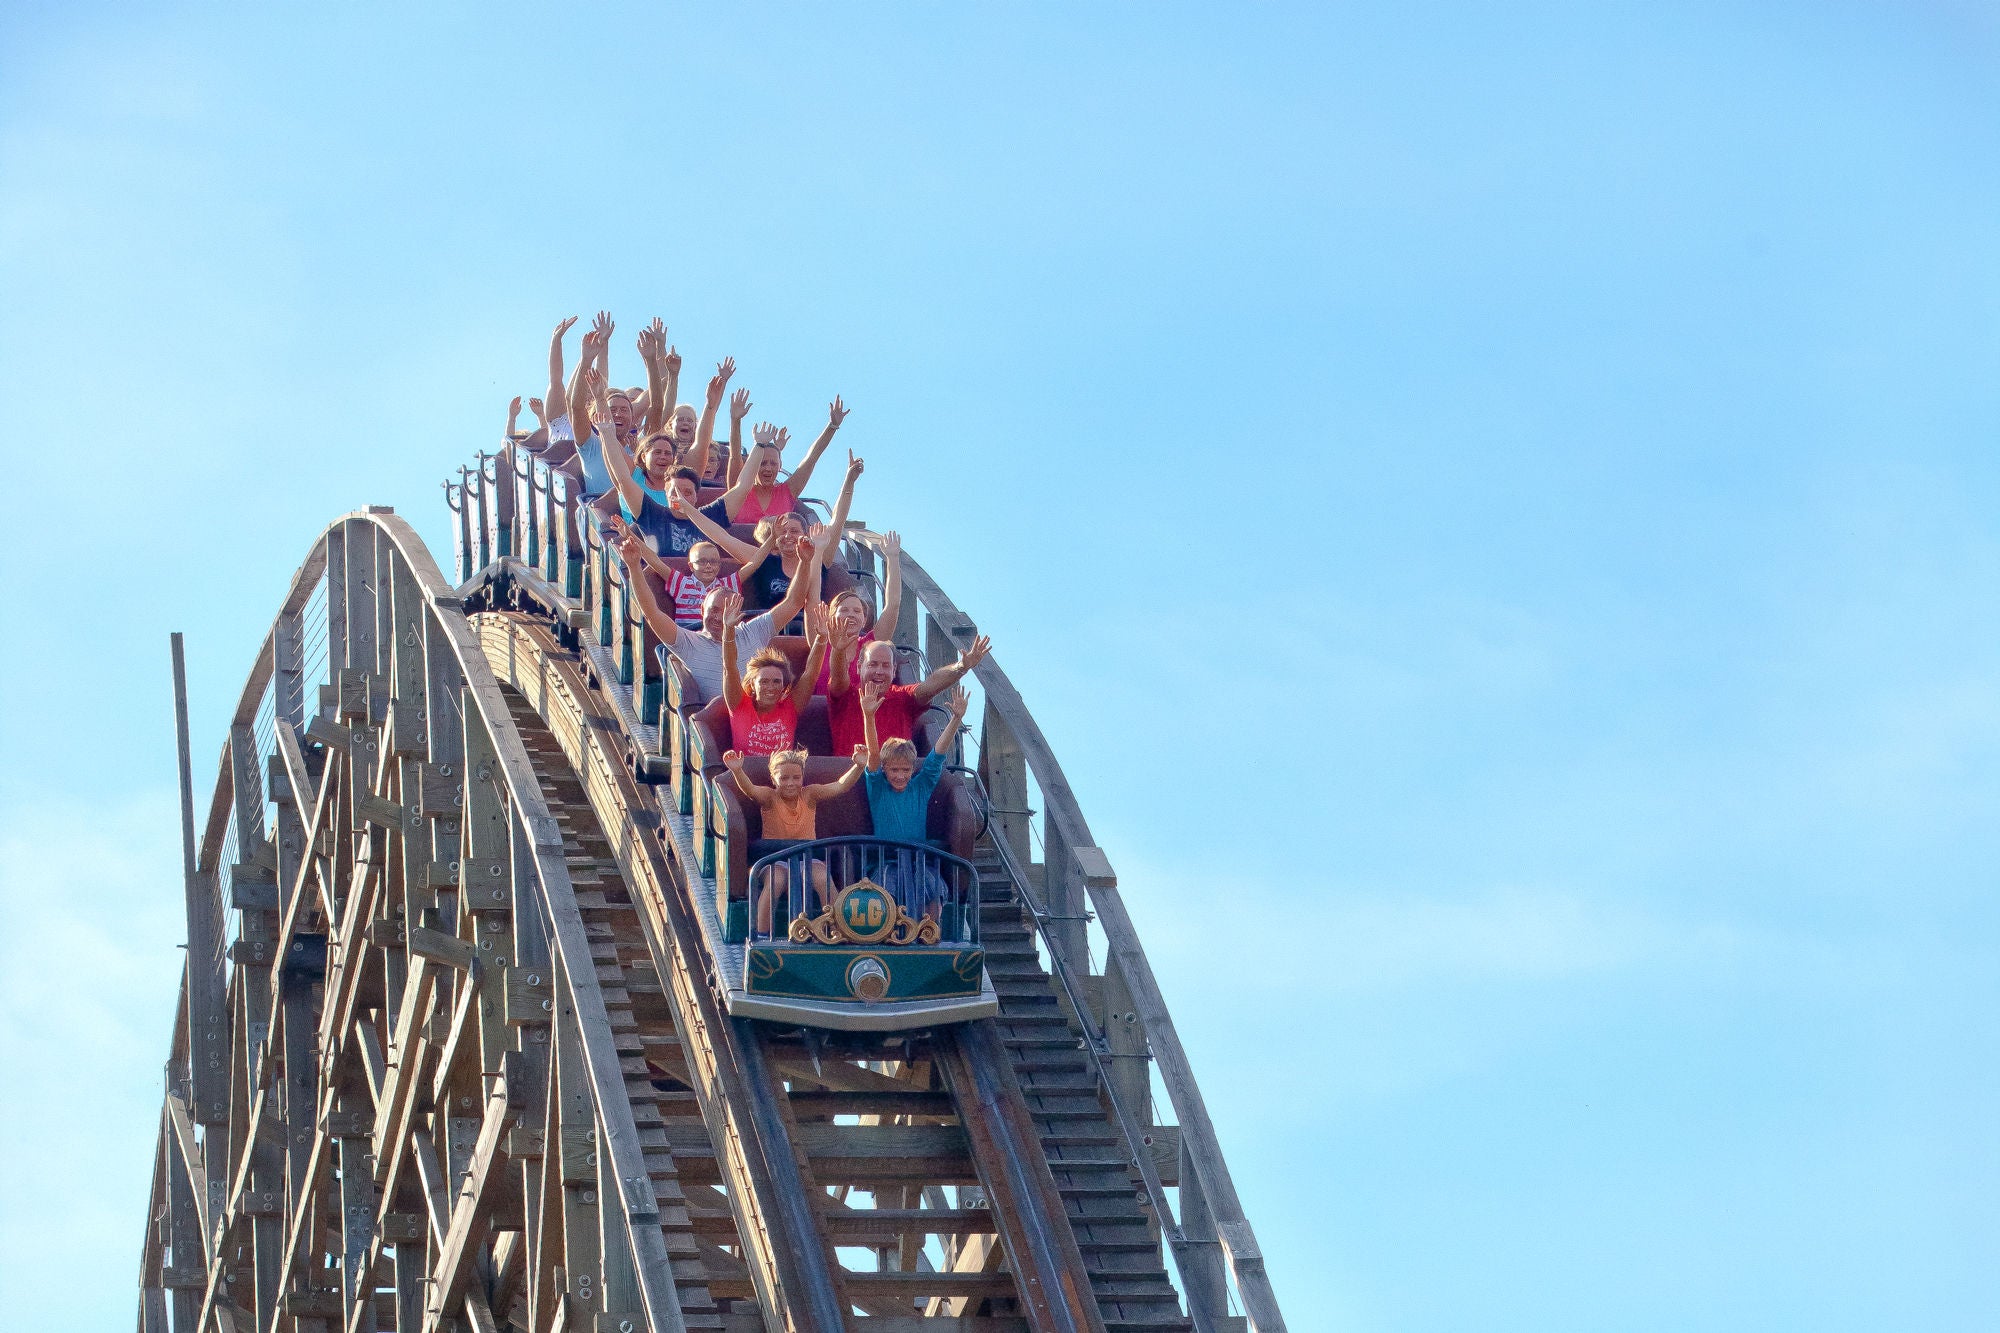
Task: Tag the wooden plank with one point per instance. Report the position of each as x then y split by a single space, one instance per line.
886 1226
359 656
431 1180
1029 1213
478 1315
247 787
968 1286
190 1158
470 1217
439 947
207 1009
357 1205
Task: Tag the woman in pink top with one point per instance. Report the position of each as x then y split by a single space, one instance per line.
848 619
764 704
757 493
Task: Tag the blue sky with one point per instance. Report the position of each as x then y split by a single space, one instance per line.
1527 472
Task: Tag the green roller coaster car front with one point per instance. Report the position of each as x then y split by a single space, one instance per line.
863 920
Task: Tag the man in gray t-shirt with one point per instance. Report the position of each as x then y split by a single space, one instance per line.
701 651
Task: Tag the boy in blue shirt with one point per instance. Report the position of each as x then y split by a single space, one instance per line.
899 790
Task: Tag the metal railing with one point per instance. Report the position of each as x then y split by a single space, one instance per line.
924 882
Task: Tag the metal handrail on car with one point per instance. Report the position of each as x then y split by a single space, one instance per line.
906 870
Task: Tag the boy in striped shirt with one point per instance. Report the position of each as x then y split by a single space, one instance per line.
686 592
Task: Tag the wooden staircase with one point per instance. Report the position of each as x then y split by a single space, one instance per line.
1101 1195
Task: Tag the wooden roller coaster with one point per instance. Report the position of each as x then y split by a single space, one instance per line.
459 1047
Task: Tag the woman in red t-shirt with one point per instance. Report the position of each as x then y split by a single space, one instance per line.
850 627
764 703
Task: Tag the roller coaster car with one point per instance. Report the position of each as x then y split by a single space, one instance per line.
864 933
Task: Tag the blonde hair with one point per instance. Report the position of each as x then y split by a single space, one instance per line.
898 748
770 524
760 659
704 546
787 757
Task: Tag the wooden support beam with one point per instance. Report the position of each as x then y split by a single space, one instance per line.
208 1006
189 1156
470 1218
431 1180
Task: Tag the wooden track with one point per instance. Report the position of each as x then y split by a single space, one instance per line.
450 1056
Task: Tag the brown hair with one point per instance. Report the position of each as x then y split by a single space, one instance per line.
867 612
760 659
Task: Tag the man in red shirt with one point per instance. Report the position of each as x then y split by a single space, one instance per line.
901 704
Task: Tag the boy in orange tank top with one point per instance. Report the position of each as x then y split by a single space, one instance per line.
789 811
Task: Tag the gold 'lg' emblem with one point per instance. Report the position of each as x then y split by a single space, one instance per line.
864 913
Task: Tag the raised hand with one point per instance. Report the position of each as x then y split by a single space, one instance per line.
871 695
861 755
784 437
513 413
733 760
563 329
659 332
844 634
672 362
764 433
957 701
602 326
739 405
632 548
731 607
541 412
816 624
976 654
854 466
836 412
599 395
648 348
892 546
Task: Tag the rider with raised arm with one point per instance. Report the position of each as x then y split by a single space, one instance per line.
764 704
788 810
663 375
898 706
852 631
593 470
703 457
774 581
899 795
646 495
700 651
757 492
